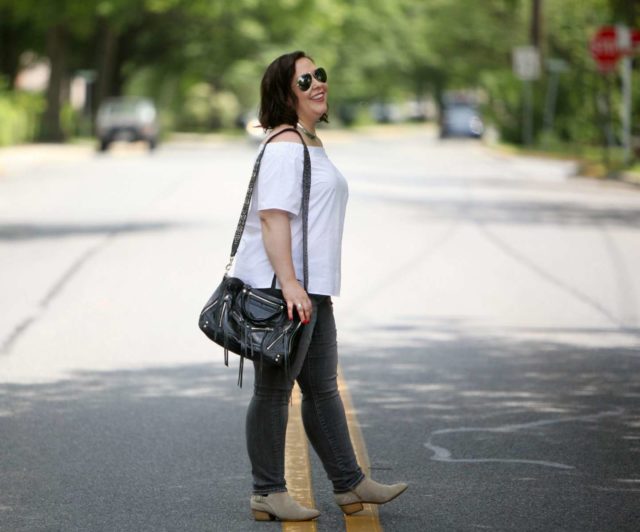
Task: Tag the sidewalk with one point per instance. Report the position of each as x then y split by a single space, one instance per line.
17 159
22 157
625 178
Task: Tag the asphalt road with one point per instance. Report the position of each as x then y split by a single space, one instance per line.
489 332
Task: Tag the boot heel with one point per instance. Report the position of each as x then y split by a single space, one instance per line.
352 508
262 516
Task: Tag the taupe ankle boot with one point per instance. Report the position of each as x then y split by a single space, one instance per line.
368 492
280 506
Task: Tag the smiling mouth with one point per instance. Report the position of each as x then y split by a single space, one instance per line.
318 97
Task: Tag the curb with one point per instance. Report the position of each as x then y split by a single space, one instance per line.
632 178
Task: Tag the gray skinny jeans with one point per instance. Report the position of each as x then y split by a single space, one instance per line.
315 368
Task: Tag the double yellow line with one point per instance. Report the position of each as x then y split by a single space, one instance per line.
298 466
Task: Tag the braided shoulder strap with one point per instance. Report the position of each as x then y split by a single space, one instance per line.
306 191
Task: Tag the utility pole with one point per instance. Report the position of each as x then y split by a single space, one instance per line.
624 41
623 37
536 22
535 32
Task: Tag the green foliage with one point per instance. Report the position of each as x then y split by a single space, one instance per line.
73 122
503 107
205 108
20 112
569 29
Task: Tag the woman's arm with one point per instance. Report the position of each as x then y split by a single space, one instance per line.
276 235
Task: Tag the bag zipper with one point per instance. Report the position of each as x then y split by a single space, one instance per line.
261 328
208 307
224 307
253 294
277 338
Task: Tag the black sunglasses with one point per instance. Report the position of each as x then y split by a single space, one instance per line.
304 81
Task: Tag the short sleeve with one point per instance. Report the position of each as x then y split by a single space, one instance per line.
279 183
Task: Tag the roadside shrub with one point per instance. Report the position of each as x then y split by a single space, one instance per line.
206 109
19 116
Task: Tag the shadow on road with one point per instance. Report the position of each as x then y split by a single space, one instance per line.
155 449
503 431
491 431
517 212
27 231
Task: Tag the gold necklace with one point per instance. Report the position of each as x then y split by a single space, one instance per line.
306 132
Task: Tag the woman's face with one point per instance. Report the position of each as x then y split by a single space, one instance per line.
312 103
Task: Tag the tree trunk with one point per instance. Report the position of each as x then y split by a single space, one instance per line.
10 33
106 61
536 23
51 129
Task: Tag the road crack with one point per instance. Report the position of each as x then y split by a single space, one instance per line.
442 454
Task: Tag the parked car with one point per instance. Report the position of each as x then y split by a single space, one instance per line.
460 120
127 118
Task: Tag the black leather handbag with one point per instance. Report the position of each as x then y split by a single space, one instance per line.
247 321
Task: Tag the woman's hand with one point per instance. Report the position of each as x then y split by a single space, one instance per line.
297 298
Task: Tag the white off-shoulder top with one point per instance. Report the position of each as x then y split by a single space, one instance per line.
279 186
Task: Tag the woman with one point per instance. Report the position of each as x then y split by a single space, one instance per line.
294 95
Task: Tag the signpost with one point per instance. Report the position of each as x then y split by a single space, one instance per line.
608 46
555 67
526 66
604 49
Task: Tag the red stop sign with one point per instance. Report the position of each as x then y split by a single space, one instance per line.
604 48
610 43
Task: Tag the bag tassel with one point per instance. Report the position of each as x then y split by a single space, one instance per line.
253 354
249 340
286 364
243 354
287 372
240 372
226 349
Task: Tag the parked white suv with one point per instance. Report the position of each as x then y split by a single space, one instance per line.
127 118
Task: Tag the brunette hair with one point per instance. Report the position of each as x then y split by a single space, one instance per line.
277 99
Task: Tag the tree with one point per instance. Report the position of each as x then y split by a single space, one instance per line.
375 50
53 24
